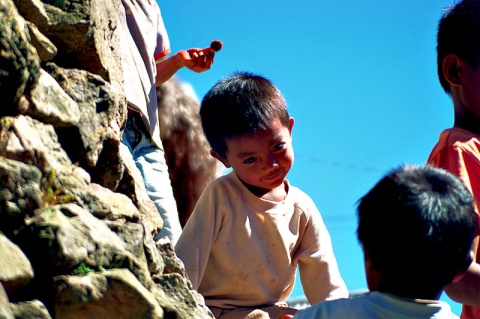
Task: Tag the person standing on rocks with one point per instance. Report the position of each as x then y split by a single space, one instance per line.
146 63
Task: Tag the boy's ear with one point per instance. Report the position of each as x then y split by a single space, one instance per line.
452 68
291 121
218 157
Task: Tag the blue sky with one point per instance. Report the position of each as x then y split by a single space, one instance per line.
359 78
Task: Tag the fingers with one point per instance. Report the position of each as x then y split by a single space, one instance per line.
202 59
209 57
197 60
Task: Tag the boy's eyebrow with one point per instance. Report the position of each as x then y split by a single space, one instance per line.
244 154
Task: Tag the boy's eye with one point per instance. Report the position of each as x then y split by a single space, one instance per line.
249 160
278 147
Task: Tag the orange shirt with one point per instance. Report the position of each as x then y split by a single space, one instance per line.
458 151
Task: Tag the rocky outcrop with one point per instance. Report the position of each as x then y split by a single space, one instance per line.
76 226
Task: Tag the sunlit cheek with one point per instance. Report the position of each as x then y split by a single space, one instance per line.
289 157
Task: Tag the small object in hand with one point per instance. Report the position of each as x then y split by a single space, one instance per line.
216 45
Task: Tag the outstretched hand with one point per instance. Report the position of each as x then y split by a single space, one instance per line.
197 60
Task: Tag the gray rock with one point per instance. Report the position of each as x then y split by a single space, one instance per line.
19 63
45 48
78 224
16 268
33 11
34 309
32 142
114 293
83 32
67 235
20 192
94 141
6 311
50 103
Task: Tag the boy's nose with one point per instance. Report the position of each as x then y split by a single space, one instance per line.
271 160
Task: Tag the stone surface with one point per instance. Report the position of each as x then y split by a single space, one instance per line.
30 309
6 311
76 225
16 268
110 294
19 63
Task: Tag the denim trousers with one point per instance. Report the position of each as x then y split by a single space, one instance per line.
150 160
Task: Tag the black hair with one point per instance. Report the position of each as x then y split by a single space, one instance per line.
240 104
417 225
459 34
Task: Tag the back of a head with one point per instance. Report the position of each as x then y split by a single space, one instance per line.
240 104
459 34
417 224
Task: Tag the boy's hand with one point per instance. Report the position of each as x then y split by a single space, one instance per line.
197 60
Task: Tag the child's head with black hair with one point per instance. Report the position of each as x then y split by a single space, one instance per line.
458 61
240 104
246 122
416 227
458 35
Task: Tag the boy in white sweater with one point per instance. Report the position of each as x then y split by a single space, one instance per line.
251 228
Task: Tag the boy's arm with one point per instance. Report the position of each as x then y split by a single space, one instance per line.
318 267
197 60
467 290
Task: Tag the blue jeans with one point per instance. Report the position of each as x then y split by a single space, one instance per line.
150 160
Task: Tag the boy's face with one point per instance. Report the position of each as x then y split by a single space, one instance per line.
262 160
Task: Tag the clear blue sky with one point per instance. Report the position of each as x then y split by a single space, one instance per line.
359 78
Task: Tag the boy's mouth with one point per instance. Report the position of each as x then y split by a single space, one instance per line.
274 174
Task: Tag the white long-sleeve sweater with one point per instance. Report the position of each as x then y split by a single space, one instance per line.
242 251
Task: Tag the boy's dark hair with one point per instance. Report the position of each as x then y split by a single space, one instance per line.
239 104
459 34
417 225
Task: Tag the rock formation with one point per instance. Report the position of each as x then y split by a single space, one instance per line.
76 225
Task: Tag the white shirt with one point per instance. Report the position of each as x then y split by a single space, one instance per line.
243 251
377 305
